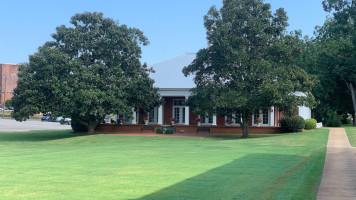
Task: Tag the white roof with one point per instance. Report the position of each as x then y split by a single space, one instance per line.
169 73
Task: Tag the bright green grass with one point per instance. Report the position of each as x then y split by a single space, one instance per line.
351 133
59 165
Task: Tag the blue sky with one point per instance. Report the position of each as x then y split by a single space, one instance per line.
173 27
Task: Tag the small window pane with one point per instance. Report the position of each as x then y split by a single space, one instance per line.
183 115
210 119
256 116
151 116
176 114
265 117
178 102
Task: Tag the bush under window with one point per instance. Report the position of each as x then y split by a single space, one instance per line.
293 124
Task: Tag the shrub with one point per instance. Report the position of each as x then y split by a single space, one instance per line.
77 126
333 123
310 124
159 131
293 123
169 131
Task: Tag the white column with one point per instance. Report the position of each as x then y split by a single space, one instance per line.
134 119
271 123
214 120
160 115
116 118
186 113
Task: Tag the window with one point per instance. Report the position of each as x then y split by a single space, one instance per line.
233 119
127 119
179 102
179 110
208 120
152 116
264 115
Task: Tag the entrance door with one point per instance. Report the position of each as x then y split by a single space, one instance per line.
179 110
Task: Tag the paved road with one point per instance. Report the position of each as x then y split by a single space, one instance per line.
12 125
339 176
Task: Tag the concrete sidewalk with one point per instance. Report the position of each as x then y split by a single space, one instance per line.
339 176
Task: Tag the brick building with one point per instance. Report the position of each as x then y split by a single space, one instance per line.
8 81
175 88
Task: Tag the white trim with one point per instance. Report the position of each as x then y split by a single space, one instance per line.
186 112
271 123
186 115
180 107
134 119
214 120
160 115
174 92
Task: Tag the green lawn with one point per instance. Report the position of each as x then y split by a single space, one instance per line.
351 133
61 165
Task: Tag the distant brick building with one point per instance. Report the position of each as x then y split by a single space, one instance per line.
8 81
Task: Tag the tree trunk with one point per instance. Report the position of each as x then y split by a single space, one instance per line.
91 130
91 127
244 124
353 100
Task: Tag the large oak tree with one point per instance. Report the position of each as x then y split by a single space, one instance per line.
90 69
337 39
247 65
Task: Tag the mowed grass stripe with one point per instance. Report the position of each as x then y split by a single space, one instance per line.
351 133
62 165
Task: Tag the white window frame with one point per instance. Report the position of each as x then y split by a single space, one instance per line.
181 111
260 115
204 119
234 123
155 116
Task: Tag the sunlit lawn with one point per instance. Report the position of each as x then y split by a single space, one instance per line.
351 133
61 165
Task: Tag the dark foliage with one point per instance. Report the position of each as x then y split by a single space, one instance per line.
293 123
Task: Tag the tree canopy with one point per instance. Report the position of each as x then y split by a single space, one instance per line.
248 64
331 55
90 69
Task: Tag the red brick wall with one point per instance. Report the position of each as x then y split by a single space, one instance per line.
141 117
168 110
220 121
192 118
128 128
9 71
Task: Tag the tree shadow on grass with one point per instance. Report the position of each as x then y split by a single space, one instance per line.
257 176
37 136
